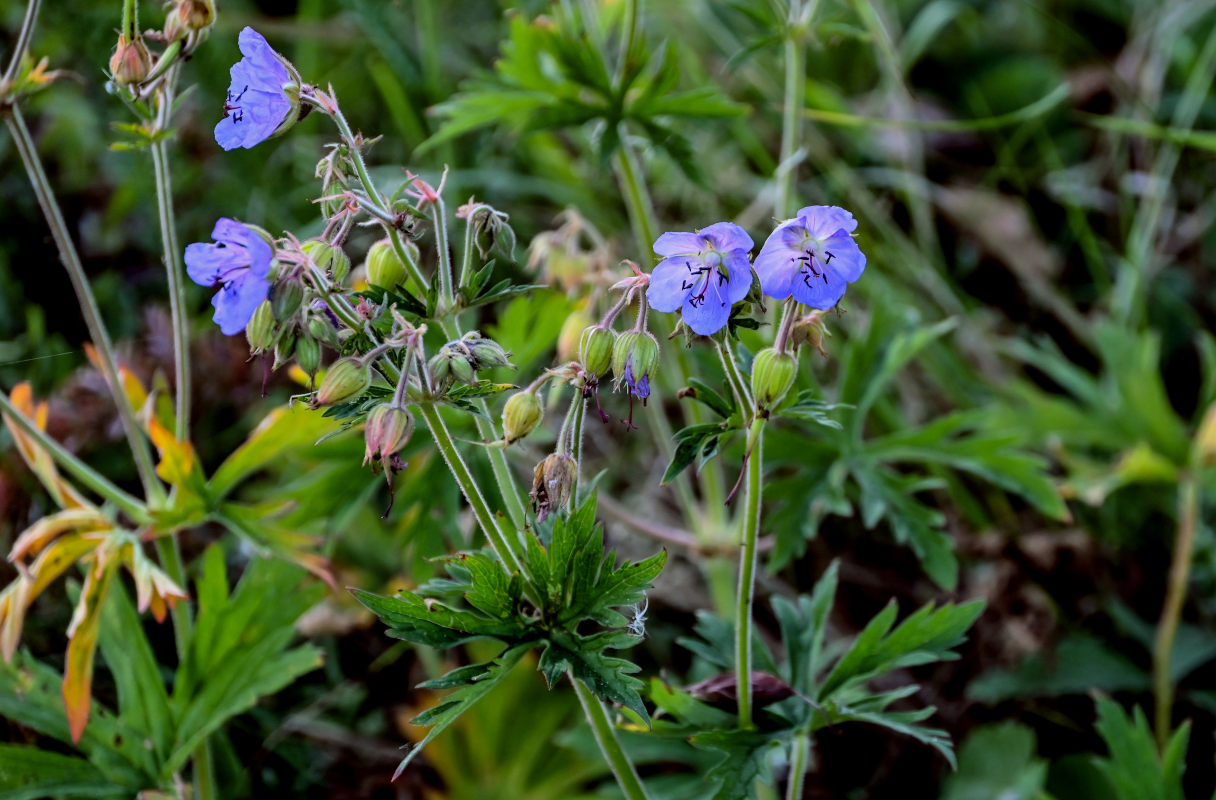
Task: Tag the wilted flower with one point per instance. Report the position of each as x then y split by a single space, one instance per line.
552 482
633 357
239 262
812 256
703 274
257 106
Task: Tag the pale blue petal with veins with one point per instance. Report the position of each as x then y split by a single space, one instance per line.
812 257
238 262
702 275
256 104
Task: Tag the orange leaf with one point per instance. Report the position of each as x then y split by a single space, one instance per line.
38 535
176 458
38 459
78 670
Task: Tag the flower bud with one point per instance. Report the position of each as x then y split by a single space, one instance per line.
285 347
811 330
321 329
450 364
773 373
260 331
487 354
320 251
384 268
285 298
388 428
552 481
595 349
131 61
308 354
633 357
339 266
521 414
195 14
346 378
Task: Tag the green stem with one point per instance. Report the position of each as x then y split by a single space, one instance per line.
153 490
204 772
173 260
407 258
23 41
791 114
610 745
637 197
1175 596
468 486
466 255
738 387
576 444
747 572
88 477
130 19
799 758
629 30
447 300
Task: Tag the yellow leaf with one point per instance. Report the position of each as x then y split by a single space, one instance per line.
38 535
38 459
176 457
78 670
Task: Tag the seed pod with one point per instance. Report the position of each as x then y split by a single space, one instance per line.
773 373
388 428
260 331
285 298
521 414
384 268
595 349
131 61
308 354
346 378
552 481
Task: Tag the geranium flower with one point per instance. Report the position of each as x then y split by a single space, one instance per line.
812 256
257 104
238 262
702 275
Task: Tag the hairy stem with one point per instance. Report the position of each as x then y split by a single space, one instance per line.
153 489
174 269
738 386
747 572
439 217
19 46
799 758
88 477
470 489
1175 595
610 745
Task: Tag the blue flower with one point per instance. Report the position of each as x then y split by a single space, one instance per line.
257 104
812 256
702 274
239 262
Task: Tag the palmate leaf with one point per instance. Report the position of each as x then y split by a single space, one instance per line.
745 762
476 682
609 678
1135 769
410 617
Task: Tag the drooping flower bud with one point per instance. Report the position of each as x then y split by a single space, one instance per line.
810 329
451 364
346 378
595 349
388 428
195 14
521 414
633 357
773 373
384 268
260 331
131 61
552 481
285 347
308 354
285 298
321 329
487 353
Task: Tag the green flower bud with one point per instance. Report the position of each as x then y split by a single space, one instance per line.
346 378
384 268
285 347
308 354
450 364
487 353
339 265
462 371
595 349
773 373
388 429
552 481
285 298
633 357
321 329
521 414
320 251
260 331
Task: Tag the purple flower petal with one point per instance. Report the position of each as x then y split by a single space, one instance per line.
237 300
817 292
678 244
206 262
706 310
255 106
262 58
727 236
668 285
739 276
847 259
823 221
239 262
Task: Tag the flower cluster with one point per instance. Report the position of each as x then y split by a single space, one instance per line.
811 257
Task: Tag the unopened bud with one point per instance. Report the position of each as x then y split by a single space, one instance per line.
195 14
285 347
633 357
521 414
451 364
339 266
346 378
384 268
552 481
388 429
260 330
773 373
811 330
308 354
595 349
131 61
285 298
487 354
321 329
320 251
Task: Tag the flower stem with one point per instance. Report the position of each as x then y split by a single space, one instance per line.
153 490
799 758
747 571
576 443
468 486
439 217
130 19
610 745
791 112
738 387
1167 627
173 259
637 197
88 477
788 315
19 46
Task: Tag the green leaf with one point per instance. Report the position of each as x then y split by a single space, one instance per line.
808 407
1134 766
1081 663
745 761
997 761
283 430
693 442
705 393
886 494
28 773
608 677
410 617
